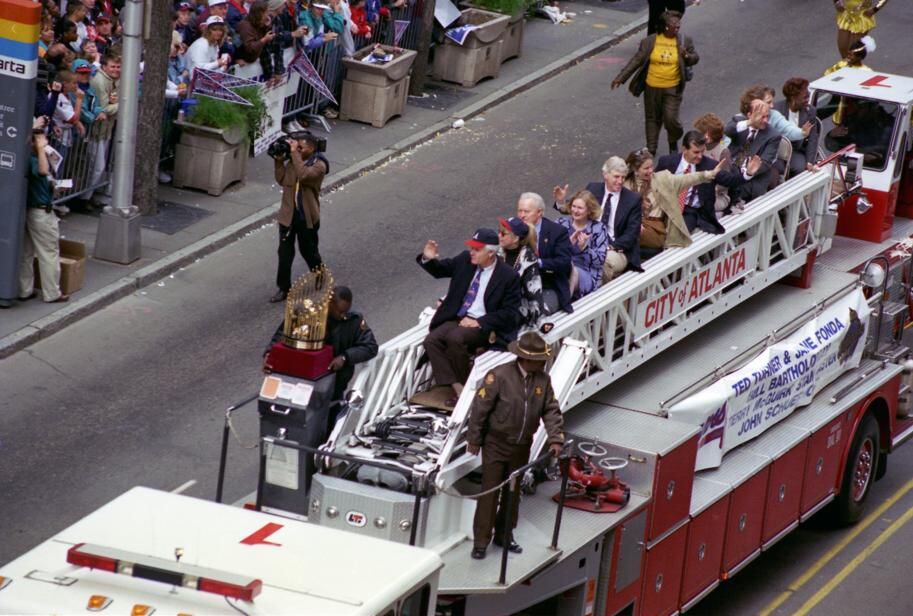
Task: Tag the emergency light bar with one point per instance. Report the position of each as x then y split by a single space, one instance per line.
164 571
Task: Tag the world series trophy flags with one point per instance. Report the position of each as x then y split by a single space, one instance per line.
302 65
399 29
219 85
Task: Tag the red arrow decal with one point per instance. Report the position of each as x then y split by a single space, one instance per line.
876 81
259 536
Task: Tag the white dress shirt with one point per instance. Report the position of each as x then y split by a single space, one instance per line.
610 220
477 309
692 197
793 116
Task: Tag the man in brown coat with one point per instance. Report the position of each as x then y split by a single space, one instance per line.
301 176
505 416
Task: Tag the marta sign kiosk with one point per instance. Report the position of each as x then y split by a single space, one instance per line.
19 23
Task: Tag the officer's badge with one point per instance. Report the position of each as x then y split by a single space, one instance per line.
538 391
489 378
363 326
481 393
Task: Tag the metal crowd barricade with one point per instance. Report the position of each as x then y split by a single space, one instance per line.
78 163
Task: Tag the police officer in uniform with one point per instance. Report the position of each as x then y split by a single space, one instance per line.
504 417
352 341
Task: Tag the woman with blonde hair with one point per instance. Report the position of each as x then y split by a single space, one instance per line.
589 242
517 246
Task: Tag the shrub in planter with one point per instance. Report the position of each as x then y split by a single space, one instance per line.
215 140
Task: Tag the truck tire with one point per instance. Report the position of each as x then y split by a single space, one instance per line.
859 473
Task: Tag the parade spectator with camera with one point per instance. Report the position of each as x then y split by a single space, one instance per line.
300 168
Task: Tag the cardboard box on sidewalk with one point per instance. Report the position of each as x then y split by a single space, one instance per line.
72 267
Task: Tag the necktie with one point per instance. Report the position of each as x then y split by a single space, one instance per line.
607 216
746 150
683 196
470 294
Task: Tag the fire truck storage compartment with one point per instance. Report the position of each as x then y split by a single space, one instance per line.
627 561
663 573
830 424
704 551
303 421
746 473
787 446
660 454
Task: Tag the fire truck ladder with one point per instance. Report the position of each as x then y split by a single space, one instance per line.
622 325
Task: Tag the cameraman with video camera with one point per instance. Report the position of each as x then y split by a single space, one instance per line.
300 169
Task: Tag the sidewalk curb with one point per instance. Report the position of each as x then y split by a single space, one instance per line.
54 322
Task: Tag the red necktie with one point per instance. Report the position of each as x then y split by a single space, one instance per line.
683 196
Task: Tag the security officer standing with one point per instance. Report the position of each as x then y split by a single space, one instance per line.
504 417
352 341
301 176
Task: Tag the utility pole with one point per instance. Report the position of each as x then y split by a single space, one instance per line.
118 237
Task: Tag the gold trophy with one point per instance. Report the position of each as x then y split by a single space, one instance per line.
306 310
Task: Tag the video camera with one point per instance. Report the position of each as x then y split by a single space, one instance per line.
280 148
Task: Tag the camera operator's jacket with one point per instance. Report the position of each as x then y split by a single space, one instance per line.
306 179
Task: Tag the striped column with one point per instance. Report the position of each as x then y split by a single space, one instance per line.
19 28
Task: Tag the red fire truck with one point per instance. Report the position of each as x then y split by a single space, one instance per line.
712 402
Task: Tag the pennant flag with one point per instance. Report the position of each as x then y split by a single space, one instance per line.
302 65
204 84
399 29
458 35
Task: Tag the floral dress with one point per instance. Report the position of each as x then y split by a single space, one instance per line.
589 260
526 264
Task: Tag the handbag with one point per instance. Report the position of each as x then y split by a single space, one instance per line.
653 234
639 80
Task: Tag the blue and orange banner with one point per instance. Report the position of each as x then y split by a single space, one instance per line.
20 21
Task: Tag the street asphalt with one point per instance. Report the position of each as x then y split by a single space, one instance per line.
134 393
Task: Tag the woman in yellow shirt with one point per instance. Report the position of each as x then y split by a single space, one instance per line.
661 67
854 20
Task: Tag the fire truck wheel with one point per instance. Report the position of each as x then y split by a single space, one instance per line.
859 473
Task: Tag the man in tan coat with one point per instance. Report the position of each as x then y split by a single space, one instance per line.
301 176
505 416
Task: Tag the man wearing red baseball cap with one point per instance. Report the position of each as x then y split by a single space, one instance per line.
481 309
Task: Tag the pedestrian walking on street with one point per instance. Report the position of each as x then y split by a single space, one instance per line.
855 18
505 414
659 70
301 176
658 7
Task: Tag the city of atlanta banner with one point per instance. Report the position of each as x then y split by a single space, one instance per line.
785 376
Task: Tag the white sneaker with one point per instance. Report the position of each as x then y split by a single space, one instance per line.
61 210
164 177
293 126
101 200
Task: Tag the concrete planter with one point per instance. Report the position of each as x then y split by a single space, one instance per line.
209 158
479 56
513 35
374 93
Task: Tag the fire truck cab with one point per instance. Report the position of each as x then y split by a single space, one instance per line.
151 551
872 110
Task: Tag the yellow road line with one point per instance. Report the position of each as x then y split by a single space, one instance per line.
853 564
812 571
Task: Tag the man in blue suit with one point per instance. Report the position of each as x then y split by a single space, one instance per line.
621 214
554 253
700 201
481 309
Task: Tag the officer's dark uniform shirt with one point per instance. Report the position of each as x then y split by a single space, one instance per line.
353 339
507 408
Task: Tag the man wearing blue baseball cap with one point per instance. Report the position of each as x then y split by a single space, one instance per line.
481 309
